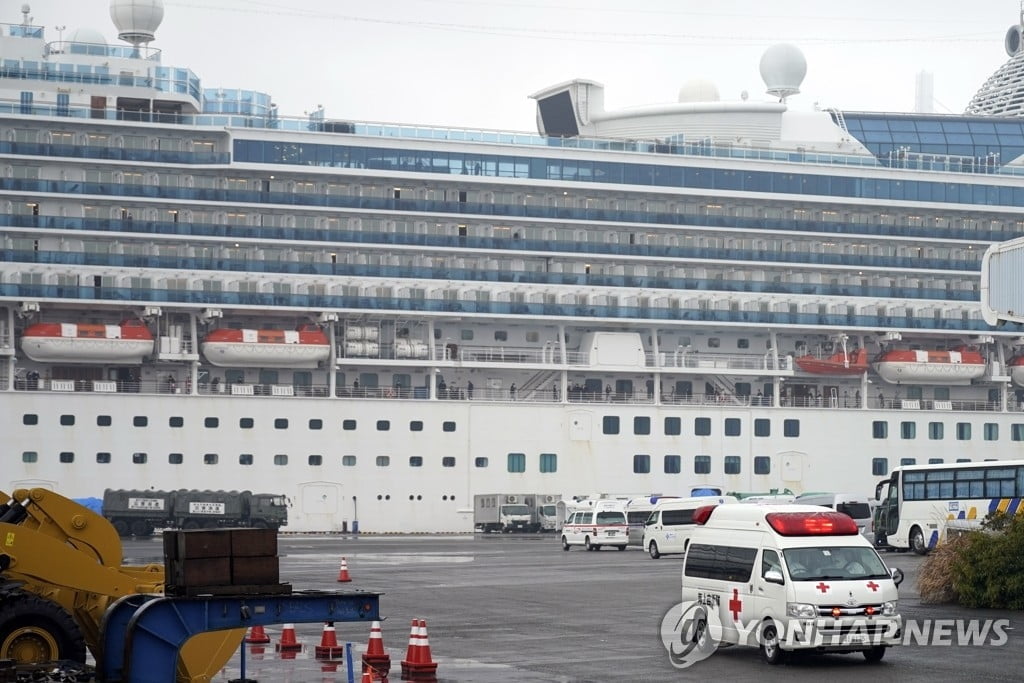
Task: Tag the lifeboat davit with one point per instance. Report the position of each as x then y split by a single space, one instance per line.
301 348
930 367
127 343
855 363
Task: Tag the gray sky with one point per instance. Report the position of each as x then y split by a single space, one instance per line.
472 63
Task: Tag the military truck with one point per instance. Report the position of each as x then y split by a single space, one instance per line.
140 512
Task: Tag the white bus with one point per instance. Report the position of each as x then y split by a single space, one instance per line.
919 502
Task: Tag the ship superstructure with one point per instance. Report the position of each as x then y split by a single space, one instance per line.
380 321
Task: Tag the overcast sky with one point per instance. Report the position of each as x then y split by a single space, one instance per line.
473 63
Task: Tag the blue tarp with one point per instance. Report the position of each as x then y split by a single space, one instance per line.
94 504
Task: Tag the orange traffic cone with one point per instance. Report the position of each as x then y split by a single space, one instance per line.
288 642
376 660
413 649
367 677
422 666
343 576
328 646
257 635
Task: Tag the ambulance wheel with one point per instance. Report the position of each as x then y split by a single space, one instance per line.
770 650
622 547
875 654
653 550
565 544
586 544
917 543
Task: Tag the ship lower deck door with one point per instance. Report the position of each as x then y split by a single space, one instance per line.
792 467
320 509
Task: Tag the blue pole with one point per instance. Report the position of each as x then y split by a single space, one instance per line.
348 663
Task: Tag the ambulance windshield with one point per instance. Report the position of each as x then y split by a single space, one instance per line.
835 563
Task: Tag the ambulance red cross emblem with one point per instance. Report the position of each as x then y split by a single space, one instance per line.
735 605
823 587
873 586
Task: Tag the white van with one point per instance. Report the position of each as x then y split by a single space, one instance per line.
786 578
667 529
857 506
638 511
604 524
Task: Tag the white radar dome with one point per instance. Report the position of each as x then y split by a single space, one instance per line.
698 90
783 68
87 35
136 20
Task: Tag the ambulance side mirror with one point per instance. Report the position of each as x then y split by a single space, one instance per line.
897 575
774 576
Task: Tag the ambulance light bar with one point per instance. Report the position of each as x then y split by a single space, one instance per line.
825 523
702 514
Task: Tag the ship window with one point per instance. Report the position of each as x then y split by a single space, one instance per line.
611 424
140 420
480 462
103 421
533 337
67 420
732 426
67 457
935 430
176 422
673 464
139 458
673 426
437 333
448 461
281 423
500 335
935 461
245 422
908 430
907 461
742 343
29 456
879 467
880 429
641 425
714 342
991 431
175 458
702 426
702 464
103 458
963 431
963 460
641 464
516 462
30 419
246 459
416 426
732 464
383 461
762 427
316 460
762 464
415 461
210 458
466 335
348 460
280 459
383 425
548 463
348 425
448 426
211 422
1017 432
316 423
791 428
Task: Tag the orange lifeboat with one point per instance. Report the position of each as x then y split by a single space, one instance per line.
855 363
906 366
1016 365
127 343
301 348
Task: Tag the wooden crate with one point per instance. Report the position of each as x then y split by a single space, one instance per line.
202 571
253 543
255 570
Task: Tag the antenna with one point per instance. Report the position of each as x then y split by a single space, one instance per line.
27 20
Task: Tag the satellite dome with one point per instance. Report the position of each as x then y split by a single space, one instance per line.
136 20
783 68
698 90
87 35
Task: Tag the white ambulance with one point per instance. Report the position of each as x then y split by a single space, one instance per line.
787 578
667 529
603 524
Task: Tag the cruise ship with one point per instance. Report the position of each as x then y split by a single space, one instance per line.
381 321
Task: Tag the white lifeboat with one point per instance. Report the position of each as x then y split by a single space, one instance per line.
302 348
907 366
1016 365
127 343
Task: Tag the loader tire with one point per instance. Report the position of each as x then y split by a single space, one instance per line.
35 630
